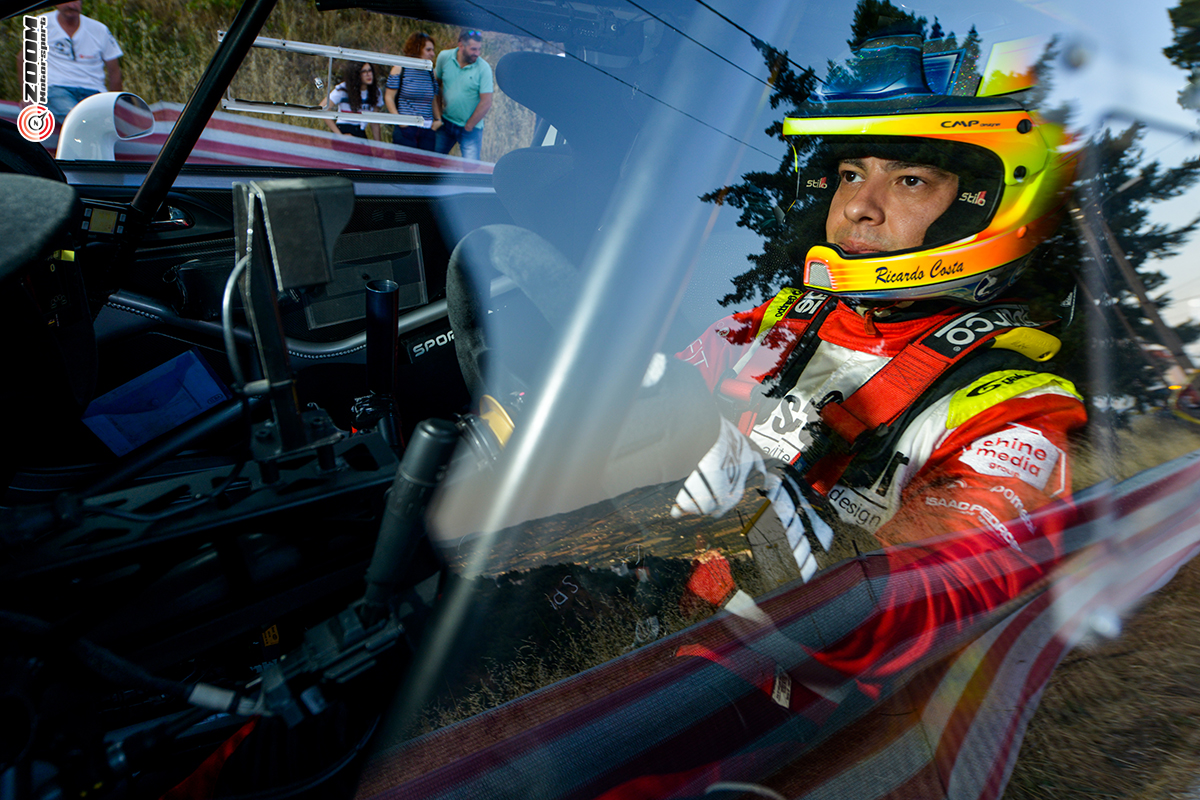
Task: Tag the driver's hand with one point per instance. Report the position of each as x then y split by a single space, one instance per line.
719 480
731 466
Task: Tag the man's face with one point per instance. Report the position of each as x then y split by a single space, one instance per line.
469 51
71 9
881 205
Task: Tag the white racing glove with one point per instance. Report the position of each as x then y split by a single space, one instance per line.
724 473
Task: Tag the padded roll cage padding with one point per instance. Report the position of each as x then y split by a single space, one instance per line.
18 154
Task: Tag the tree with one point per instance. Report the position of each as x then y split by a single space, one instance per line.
1115 176
881 18
1185 51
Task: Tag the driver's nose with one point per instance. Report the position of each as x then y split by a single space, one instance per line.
865 205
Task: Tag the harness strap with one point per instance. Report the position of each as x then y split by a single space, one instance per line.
888 393
805 311
849 424
902 382
892 390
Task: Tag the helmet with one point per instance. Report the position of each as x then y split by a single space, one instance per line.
1013 170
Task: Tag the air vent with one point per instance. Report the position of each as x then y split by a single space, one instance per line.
816 275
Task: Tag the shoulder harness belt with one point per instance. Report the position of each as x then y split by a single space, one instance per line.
847 426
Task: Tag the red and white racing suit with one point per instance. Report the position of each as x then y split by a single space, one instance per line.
964 480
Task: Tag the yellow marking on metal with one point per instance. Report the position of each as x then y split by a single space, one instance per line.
754 520
493 413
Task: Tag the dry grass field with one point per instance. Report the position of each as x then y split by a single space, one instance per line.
1122 719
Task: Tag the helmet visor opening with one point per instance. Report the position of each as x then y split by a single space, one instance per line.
980 183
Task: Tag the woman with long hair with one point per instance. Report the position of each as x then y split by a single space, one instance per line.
357 92
414 91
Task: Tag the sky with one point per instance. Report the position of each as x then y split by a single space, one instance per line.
1126 74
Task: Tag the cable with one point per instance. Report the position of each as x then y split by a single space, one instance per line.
698 44
97 659
636 89
231 353
321 777
122 672
753 39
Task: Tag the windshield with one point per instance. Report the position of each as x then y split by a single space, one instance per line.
280 110
600 508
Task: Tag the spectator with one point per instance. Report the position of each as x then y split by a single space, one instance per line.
356 93
83 59
466 95
415 92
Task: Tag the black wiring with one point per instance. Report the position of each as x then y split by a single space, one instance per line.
316 780
739 68
97 659
753 39
632 86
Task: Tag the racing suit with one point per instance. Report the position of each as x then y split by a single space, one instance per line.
962 472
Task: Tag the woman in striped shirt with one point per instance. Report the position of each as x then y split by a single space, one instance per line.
357 92
414 91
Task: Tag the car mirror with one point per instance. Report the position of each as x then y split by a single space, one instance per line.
132 117
97 123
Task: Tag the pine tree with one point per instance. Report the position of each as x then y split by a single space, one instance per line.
1185 51
881 18
1110 164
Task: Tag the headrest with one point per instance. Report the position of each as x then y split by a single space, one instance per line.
594 110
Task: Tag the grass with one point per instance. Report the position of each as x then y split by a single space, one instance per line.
1122 718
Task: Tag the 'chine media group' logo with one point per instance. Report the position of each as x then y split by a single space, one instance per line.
35 122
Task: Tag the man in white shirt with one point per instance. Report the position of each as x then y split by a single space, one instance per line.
82 59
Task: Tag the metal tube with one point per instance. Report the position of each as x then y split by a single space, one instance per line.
209 422
259 291
200 106
383 343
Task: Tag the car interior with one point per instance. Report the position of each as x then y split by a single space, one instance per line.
173 542
235 392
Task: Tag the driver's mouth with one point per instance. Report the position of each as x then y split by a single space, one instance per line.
854 248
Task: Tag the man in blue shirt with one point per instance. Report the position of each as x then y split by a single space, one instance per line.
465 94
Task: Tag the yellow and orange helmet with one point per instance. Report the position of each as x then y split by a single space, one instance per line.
1014 170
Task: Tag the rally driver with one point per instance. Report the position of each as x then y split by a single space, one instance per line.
897 394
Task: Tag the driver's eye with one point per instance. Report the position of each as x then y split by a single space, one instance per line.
850 176
912 180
